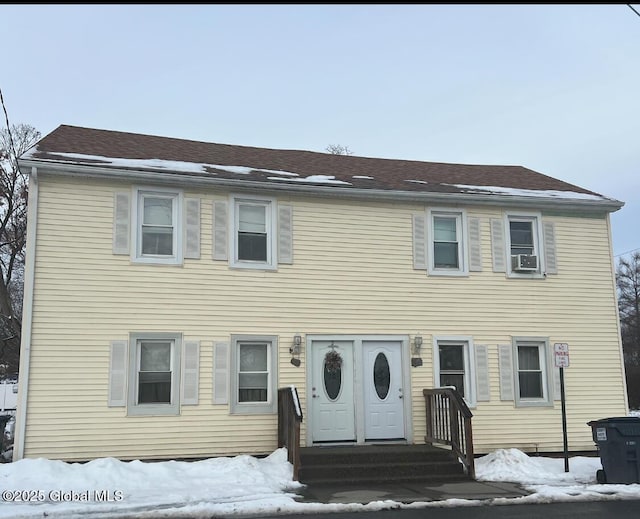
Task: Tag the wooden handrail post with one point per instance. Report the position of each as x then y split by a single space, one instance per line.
449 423
289 419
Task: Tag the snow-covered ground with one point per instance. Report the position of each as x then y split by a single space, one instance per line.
244 485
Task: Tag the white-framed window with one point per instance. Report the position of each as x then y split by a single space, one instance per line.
253 235
157 230
447 235
254 374
531 371
524 244
454 365
154 374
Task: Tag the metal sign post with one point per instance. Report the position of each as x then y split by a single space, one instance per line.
561 360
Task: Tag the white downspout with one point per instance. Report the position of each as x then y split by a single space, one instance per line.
27 317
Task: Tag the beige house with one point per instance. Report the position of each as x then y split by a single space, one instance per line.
173 286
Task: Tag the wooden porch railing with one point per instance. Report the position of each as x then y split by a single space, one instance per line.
289 419
449 423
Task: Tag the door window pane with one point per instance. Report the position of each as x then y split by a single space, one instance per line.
381 376
332 379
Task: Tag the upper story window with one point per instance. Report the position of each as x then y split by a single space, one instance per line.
253 243
446 242
158 227
253 233
524 238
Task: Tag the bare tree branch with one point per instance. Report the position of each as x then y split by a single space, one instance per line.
338 149
14 141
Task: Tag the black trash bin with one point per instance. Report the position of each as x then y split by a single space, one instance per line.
618 440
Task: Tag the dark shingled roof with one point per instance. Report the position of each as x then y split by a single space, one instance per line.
387 174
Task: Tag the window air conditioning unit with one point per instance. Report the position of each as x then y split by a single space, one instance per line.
524 262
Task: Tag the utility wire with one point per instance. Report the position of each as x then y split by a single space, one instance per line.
623 253
630 7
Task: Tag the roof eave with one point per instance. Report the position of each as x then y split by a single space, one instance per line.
178 178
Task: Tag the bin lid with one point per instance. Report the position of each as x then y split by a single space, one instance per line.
626 425
622 419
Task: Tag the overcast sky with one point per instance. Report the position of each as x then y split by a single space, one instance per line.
555 88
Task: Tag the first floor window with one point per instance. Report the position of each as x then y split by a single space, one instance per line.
254 374
454 365
154 373
531 372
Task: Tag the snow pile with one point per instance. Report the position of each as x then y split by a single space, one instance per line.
547 480
33 487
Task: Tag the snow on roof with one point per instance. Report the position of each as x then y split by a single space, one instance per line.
317 179
169 165
545 193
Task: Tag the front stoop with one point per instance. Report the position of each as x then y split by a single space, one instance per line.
372 464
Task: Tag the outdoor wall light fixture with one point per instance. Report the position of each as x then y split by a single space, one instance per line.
416 360
295 349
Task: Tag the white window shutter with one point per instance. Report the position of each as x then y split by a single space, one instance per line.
549 232
118 374
121 224
285 234
221 373
419 242
482 373
475 253
192 228
220 230
190 372
498 245
506 372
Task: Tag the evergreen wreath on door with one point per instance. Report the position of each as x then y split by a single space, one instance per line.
333 360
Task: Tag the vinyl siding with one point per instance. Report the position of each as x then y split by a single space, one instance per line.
352 274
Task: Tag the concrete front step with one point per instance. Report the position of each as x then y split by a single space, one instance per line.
378 464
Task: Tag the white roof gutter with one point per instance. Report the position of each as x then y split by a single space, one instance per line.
209 180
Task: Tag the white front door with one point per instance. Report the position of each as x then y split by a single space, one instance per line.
361 399
383 390
332 405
